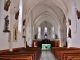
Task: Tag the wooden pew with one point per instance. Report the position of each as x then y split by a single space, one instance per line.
33 52
36 49
64 57
16 57
18 54
66 52
60 51
70 57
53 49
76 59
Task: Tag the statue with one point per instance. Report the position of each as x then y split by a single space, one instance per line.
17 14
35 37
24 33
24 22
69 21
69 33
45 36
7 5
6 24
56 36
78 14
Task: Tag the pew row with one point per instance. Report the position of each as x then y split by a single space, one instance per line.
62 53
22 54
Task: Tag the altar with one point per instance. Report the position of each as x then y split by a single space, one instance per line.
46 45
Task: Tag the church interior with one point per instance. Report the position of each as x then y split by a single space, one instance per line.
39 30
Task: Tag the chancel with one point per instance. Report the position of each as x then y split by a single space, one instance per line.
39 29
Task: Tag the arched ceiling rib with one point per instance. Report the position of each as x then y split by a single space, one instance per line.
50 12
50 7
46 18
46 24
58 3
46 14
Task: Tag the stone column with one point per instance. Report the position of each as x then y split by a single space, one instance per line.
11 26
61 36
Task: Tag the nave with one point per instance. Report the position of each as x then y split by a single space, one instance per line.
28 26
47 55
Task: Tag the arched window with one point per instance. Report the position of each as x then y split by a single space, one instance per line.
53 32
20 17
39 32
45 32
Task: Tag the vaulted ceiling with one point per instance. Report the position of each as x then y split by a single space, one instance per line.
56 9
52 11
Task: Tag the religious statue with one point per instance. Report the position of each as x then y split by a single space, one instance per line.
78 14
69 21
17 14
69 33
35 37
56 36
7 5
24 22
24 33
6 24
45 36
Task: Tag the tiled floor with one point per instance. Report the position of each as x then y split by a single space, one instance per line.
47 55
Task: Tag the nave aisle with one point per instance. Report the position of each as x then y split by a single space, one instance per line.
47 55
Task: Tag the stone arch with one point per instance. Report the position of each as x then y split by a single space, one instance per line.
44 19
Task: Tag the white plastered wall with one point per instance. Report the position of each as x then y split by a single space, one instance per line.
6 41
4 37
75 24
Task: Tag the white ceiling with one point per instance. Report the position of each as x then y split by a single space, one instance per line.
55 9
48 8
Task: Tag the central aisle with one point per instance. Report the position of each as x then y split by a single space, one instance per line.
47 55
